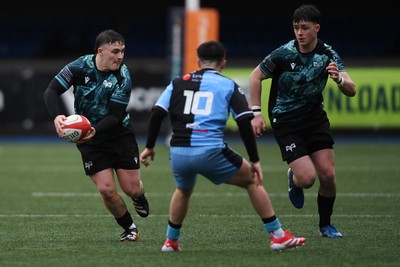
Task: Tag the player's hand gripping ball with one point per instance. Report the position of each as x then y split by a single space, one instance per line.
76 127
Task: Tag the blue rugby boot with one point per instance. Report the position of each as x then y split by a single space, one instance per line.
296 194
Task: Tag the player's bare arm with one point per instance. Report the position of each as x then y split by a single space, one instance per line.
342 79
258 123
147 152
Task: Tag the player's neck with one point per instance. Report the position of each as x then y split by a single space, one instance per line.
309 47
99 64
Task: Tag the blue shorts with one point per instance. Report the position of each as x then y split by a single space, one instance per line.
217 164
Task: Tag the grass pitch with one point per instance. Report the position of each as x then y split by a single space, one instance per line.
52 215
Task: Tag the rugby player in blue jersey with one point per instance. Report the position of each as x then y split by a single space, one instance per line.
199 104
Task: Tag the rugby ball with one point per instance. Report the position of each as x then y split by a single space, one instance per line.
75 128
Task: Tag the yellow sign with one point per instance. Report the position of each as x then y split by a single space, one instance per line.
376 104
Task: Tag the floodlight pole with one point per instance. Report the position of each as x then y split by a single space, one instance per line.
201 24
192 5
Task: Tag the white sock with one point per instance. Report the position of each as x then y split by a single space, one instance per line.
278 233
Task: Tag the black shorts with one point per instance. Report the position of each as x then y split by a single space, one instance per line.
118 153
301 142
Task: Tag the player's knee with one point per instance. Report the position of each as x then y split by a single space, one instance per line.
245 181
244 177
305 179
133 189
327 176
110 198
184 193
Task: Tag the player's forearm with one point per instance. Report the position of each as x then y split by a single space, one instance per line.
50 98
156 118
346 85
246 132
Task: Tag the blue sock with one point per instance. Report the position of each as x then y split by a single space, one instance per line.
274 228
173 233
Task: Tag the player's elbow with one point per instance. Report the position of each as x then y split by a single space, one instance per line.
351 91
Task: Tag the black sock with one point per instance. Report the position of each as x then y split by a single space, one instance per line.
125 221
325 209
268 220
176 226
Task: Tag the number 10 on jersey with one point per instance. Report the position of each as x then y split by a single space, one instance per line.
198 103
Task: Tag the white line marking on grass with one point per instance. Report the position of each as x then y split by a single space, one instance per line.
64 194
53 215
217 195
301 215
193 215
166 170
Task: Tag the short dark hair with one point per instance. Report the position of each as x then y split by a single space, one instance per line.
211 50
108 37
307 12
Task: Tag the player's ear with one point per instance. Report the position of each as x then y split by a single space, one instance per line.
99 50
317 27
223 63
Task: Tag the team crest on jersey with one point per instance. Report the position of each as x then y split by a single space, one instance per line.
292 65
318 64
107 84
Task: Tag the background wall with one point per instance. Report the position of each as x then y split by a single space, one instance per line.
37 38
59 29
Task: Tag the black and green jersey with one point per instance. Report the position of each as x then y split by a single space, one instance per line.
297 83
94 90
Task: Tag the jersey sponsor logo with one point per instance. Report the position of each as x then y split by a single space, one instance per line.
195 127
66 74
292 65
192 125
87 79
196 77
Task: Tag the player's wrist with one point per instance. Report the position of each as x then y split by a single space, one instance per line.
256 110
255 160
340 81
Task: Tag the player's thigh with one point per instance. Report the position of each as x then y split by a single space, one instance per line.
129 180
304 170
243 177
221 164
104 181
324 162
